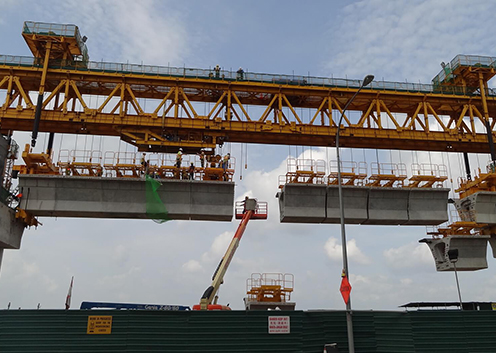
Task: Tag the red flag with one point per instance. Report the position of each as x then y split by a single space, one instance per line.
69 295
345 289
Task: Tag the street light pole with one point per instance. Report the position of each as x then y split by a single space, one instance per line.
453 257
349 323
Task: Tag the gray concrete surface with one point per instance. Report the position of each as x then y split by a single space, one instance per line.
472 252
355 201
388 206
11 229
479 207
62 196
427 206
363 205
302 203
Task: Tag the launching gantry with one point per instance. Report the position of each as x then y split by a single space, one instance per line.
160 109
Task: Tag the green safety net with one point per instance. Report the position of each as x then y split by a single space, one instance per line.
155 208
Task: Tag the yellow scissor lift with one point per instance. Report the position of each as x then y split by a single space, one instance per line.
269 291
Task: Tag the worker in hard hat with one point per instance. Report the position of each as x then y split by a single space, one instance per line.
143 163
240 73
202 159
179 158
191 171
217 71
225 161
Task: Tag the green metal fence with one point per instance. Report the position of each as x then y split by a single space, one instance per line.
240 331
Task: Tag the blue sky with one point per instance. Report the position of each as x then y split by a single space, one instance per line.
172 263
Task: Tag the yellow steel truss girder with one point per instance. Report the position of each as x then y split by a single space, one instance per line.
435 134
246 131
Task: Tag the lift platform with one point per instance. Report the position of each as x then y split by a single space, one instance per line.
269 291
247 209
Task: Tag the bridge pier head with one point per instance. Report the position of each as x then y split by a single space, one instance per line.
11 230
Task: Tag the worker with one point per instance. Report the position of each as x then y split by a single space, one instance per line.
244 204
202 159
143 164
225 161
240 73
191 171
217 71
179 158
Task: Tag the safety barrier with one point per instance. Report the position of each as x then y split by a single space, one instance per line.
90 163
308 171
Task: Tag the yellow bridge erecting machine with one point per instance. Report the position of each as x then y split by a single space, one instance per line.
451 114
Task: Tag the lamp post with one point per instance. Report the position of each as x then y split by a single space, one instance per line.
349 323
453 257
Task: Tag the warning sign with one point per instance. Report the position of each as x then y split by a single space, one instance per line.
493 306
279 324
99 325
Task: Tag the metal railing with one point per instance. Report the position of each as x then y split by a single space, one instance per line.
228 75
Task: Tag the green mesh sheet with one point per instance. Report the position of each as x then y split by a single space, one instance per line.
155 208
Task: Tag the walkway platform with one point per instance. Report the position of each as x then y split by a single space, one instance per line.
301 203
98 197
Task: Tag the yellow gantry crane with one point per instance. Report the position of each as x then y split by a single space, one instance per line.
451 114
163 108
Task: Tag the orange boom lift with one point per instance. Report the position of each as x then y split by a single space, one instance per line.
245 210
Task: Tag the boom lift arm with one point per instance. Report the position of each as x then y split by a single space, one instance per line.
251 209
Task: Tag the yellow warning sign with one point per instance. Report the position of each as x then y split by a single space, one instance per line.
99 325
493 306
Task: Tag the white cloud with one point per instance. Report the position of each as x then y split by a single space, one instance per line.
409 256
127 30
192 266
218 247
407 39
334 251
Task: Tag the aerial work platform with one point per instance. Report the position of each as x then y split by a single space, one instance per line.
89 197
314 203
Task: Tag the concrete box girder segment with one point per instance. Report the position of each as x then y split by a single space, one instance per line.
355 200
388 206
472 251
302 203
479 207
427 206
95 197
11 229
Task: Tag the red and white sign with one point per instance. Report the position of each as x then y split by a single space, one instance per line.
279 324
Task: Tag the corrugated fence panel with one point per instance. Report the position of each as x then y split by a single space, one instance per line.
324 327
439 331
46 331
393 332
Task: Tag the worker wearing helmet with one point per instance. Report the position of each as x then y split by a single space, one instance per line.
240 73
225 161
179 158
